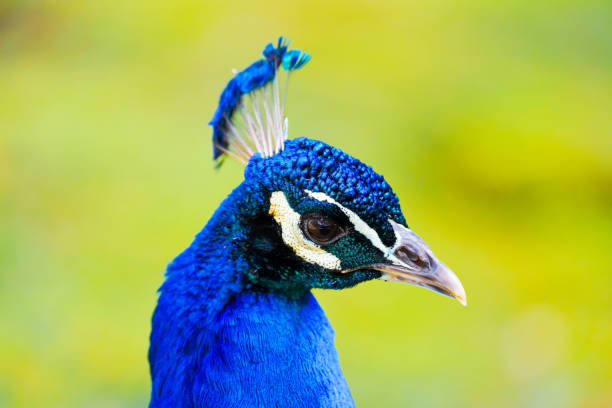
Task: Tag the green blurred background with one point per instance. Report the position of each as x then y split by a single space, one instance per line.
491 121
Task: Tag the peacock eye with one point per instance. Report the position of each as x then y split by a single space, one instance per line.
321 229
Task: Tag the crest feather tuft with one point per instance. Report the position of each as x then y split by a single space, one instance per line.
250 116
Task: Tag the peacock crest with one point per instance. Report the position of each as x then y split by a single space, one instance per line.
250 117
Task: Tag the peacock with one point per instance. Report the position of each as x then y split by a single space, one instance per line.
236 324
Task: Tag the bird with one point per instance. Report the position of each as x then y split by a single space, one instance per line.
236 323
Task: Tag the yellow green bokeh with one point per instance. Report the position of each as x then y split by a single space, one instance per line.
491 120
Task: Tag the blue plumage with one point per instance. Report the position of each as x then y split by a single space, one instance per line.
236 324
218 341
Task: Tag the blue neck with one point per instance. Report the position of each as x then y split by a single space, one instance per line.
217 343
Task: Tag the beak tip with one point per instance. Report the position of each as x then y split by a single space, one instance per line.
459 293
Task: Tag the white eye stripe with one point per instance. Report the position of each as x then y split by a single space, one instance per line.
360 226
292 235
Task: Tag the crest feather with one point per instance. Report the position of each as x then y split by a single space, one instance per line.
250 116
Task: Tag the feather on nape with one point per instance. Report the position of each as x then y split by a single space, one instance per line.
250 116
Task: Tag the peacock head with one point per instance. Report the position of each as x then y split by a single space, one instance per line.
310 215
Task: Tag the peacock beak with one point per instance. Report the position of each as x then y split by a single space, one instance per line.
412 261
441 279
416 264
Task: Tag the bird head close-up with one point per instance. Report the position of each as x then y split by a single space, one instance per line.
236 321
312 216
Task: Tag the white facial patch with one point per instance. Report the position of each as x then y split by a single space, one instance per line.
360 226
293 237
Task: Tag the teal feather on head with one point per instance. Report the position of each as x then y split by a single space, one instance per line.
295 59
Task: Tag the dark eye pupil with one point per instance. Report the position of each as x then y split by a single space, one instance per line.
321 230
324 230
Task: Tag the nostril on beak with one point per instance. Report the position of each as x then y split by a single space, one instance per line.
405 254
409 256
